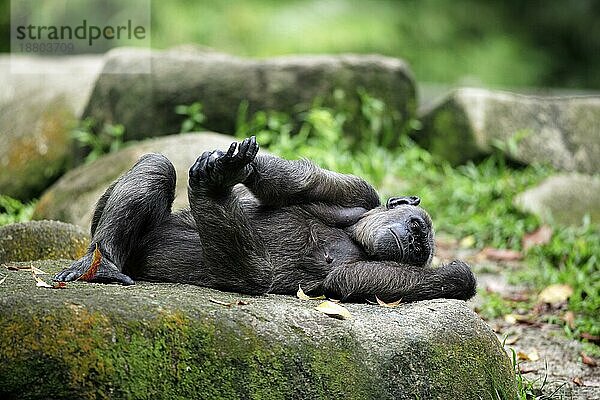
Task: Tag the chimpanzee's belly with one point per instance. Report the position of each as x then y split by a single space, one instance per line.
303 251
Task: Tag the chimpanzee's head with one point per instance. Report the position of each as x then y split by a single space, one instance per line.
401 231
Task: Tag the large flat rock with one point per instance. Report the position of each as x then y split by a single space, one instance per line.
561 131
145 103
155 340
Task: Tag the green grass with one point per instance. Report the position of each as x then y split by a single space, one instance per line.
12 210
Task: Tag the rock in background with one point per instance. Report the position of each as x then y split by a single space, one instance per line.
163 341
560 131
39 105
41 240
565 199
145 103
73 197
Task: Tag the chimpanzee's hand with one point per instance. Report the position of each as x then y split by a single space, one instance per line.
217 169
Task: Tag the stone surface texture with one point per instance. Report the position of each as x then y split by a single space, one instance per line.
40 103
73 197
157 340
145 103
564 198
41 240
559 131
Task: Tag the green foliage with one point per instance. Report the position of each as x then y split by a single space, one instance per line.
441 40
194 118
525 388
108 139
12 210
493 306
572 257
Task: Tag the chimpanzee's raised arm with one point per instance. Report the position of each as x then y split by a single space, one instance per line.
390 281
231 248
278 182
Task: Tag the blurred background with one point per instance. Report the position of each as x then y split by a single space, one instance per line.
495 43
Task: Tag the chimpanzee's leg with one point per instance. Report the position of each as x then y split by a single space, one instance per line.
233 253
132 206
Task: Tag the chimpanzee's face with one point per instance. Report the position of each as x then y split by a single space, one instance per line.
399 232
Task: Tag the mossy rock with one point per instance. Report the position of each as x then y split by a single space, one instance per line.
41 240
564 199
468 124
39 108
73 197
144 103
165 341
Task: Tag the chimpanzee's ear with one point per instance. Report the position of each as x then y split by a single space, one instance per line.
394 202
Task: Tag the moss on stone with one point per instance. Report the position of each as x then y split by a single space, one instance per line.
170 341
41 240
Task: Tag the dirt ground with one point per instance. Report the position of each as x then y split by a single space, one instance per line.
546 357
558 370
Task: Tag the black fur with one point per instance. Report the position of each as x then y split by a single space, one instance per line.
260 224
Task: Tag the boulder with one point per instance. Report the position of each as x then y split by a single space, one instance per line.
565 199
560 131
164 341
40 103
41 240
73 197
145 103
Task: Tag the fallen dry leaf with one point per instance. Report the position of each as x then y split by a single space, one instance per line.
531 356
93 269
555 294
587 360
526 369
512 340
38 271
28 268
12 267
3 279
334 310
390 305
516 297
40 282
578 381
540 236
233 303
590 337
514 318
467 242
303 296
501 254
569 319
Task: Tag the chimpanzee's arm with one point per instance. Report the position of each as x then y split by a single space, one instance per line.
278 182
390 281
232 251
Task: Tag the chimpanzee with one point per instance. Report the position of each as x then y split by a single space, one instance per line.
261 224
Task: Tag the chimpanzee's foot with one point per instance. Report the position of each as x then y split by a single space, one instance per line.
220 170
93 267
